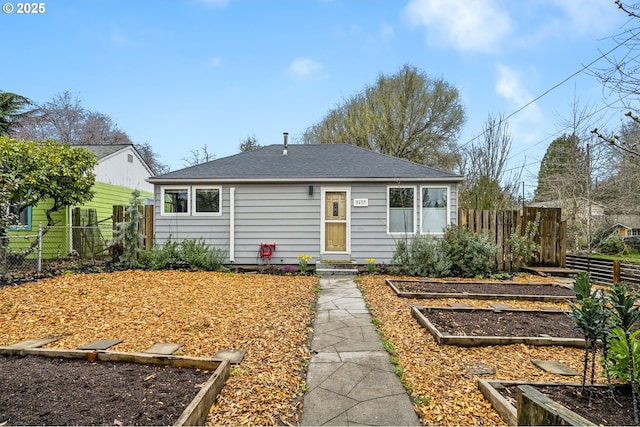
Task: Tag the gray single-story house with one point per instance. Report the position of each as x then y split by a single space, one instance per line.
330 201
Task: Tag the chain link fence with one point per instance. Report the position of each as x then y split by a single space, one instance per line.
53 248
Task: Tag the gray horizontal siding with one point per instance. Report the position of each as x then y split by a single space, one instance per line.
289 217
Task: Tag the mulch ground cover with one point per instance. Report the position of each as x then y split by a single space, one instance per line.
445 391
56 391
268 316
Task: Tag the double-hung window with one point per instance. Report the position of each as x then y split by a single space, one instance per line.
435 210
191 201
401 204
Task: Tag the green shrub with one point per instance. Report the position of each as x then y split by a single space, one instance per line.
618 354
523 247
470 254
422 256
613 244
188 253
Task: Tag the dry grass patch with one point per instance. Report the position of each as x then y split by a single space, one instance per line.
269 316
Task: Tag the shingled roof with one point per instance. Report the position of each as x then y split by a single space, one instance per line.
307 162
101 151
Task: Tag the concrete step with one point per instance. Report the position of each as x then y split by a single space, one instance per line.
334 268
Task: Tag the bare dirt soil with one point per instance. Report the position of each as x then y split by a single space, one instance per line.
268 316
482 288
502 323
600 408
46 391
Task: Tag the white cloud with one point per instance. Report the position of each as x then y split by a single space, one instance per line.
509 85
590 16
469 25
303 67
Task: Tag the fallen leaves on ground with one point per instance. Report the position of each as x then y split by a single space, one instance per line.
444 391
268 316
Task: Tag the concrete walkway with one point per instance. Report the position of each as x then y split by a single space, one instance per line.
350 378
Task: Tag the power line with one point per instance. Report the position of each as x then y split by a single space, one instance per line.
554 87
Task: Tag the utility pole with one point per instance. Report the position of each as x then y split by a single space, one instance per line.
589 198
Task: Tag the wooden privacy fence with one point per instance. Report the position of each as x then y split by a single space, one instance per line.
145 226
499 225
606 271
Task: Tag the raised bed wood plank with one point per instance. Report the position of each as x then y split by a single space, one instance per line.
479 341
33 343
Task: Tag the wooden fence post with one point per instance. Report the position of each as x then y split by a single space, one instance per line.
616 271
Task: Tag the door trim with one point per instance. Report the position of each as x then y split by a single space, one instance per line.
323 192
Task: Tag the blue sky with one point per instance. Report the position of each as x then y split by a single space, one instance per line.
180 74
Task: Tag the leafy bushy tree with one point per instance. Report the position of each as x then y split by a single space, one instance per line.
407 115
33 171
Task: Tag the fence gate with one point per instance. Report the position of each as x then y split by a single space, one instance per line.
499 225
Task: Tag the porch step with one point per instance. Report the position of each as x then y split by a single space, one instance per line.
334 268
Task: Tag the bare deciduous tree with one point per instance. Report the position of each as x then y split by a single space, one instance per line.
198 156
248 144
488 185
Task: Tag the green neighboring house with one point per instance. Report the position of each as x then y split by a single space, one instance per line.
119 171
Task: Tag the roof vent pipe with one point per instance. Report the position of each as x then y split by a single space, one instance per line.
286 137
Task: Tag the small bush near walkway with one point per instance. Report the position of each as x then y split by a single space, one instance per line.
460 253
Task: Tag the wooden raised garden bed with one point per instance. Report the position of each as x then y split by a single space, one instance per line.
473 327
481 290
529 403
195 413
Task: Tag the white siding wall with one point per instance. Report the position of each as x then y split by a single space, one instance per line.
117 170
285 214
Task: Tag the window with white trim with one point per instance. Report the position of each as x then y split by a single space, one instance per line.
435 210
191 200
401 207
175 200
206 201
